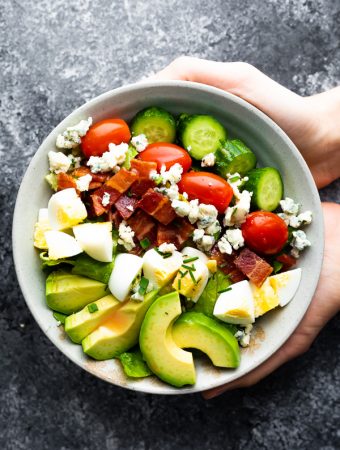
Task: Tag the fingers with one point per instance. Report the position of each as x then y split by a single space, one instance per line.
239 78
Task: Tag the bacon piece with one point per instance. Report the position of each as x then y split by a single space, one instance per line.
81 171
65 181
139 187
97 199
254 267
115 218
142 224
126 206
226 264
158 206
287 261
100 177
143 168
178 232
122 180
95 185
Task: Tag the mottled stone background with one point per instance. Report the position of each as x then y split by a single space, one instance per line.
54 56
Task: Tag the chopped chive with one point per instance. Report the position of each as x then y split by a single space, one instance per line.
224 290
190 259
143 285
223 265
190 268
277 266
158 180
183 273
145 243
92 307
234 212
167 255
179 284
129 193
233 179
192 277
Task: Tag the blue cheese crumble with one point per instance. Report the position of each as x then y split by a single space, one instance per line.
126 235
110 160
71 137
140 142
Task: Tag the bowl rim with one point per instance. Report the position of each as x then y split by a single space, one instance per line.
130 88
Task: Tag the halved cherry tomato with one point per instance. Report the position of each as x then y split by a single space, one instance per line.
265 232
103 133
208 188
167 154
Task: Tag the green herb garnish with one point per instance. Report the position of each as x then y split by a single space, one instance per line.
190 259
192 277
234 212
145 243
92 307
165 255
183 273
233 179
224 290
143 285
277 266
179 284
190 268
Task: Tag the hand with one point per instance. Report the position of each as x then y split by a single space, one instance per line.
310 124
325 304
309 121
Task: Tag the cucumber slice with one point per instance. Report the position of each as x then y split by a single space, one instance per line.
157 124
200 134
234 156
267 187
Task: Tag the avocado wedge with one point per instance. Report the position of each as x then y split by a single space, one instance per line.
196 330
68 293
165 359
82 323
120 332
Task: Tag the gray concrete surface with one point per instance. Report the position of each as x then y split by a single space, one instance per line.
54 55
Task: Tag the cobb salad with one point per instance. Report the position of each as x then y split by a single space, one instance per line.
163 235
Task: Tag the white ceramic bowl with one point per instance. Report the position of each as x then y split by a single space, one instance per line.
272 147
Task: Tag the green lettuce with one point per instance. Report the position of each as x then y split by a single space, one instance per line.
88 267
47 262
130 154
134 365
206 303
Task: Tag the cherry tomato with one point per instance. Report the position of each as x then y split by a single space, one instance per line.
265 232
103 133
167 154
208 188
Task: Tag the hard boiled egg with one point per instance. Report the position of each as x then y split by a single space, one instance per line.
65 209
40 228
286 284
61 245
189 252
95 239
265 297
159 270
127 267
236 305
191 283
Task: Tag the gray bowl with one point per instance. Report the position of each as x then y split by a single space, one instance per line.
272 147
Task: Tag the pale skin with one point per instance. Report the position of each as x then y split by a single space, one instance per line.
313 125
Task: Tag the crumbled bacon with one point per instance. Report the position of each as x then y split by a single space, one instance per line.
143 168
225 263
122 180
81 171
97 199
178 232
126 206
139 187
96 177
287 261
142 224
95 185
115 218
254 267
65 181
158 206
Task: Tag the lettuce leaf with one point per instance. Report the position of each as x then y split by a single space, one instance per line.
130 154
134 365
206 302
88 267
47 262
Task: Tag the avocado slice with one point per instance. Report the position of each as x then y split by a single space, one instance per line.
82 323
196 330
168 361
120 332
68 293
